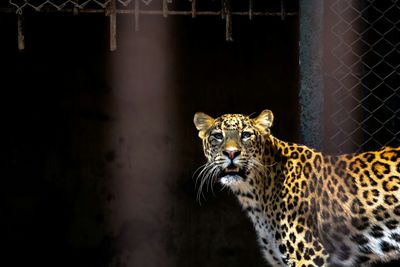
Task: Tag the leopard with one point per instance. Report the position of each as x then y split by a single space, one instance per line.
308 208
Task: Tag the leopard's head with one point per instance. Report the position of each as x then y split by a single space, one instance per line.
233 145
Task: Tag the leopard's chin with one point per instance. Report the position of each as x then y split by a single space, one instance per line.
231 179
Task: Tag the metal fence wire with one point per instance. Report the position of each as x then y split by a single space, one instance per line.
226 9
363 79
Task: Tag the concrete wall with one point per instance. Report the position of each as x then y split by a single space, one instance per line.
100 149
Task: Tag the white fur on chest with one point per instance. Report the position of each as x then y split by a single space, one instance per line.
265 234
261 224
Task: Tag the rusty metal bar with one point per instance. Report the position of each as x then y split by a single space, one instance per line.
137 14
165 8
228 20
111 11
250 9
21 35
156 12
193 8
113 25
283 11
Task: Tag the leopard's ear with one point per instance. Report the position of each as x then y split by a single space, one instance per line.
203 122
263 122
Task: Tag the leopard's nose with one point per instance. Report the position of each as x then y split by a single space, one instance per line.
231 153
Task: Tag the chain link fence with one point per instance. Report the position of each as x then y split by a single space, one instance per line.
362 80
39 5
361 74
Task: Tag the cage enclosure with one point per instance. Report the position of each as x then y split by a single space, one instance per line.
98 102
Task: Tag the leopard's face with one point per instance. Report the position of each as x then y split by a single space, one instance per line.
233 145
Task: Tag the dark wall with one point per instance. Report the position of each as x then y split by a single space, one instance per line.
100 149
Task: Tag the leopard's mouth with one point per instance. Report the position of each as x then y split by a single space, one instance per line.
231 174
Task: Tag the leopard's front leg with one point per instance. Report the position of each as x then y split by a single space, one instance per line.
303 250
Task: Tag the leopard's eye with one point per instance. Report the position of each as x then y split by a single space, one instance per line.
218 136
246 135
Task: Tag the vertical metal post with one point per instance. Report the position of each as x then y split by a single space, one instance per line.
165 8
250 9
311 82
283 11
20 29
137 14
227 11
113 25
193 8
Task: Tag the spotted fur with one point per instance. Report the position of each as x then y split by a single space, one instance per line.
308 209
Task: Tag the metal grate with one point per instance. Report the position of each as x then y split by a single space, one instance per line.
364 74
111 8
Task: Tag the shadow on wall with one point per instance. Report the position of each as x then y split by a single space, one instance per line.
101 149
54 101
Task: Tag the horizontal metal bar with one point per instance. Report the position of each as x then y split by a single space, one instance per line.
152 12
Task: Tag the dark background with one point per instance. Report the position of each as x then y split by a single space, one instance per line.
99 147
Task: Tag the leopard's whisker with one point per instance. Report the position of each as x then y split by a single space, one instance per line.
202 177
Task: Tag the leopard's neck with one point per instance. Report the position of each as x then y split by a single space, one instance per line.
261 196
260 189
